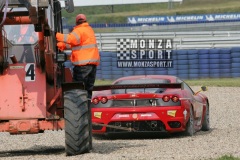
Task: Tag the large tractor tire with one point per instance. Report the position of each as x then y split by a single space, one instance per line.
76 122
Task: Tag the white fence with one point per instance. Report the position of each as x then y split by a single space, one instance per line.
181 40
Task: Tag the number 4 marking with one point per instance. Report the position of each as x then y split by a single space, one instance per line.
30 72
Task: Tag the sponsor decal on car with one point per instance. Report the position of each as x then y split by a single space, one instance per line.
146 115
135 116
97 115
172 113
123 115
185 114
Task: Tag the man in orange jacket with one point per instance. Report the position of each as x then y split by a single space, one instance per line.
85 55
26 35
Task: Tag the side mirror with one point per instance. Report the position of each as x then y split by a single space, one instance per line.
204 88
69 6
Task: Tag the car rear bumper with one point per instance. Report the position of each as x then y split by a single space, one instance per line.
144 119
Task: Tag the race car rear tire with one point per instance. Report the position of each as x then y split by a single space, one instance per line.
206 124
76 122
190 124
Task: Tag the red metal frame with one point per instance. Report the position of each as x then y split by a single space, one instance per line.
29 106
1 44
30 126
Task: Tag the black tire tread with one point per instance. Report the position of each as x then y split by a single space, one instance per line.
190 127
76 122
205 124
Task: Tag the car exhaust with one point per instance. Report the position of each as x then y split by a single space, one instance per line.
153 124
118 124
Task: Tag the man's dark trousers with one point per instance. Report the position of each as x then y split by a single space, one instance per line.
86 74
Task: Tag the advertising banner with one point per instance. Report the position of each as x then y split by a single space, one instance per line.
183 18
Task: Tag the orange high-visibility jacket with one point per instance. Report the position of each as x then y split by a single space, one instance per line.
23 32
83 44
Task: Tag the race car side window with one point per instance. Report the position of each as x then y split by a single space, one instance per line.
185 86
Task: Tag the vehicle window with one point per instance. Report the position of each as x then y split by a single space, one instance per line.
21 34
185 85
141 90
187 88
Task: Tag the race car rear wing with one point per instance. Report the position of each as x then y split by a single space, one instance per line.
132 86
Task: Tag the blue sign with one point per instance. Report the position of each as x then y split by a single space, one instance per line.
184 18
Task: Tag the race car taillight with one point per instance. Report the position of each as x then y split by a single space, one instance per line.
96 100
175 99
166 98
104 100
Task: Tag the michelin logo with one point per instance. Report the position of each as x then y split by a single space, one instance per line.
227 16
189 18
171 19
132 20
222 17
210 18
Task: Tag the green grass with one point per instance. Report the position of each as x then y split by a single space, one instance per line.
226 157
103 82
221 82
103 14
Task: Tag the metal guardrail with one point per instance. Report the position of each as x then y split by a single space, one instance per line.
181 40
168 34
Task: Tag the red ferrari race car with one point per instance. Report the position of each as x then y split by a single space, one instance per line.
151 103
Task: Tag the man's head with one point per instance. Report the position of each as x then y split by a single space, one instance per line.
80 18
